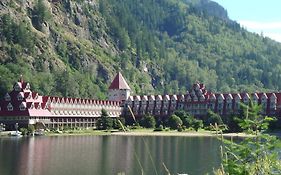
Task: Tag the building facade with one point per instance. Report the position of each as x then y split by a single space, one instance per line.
24 106
199 100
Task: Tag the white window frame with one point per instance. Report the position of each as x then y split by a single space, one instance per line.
22 107
10 107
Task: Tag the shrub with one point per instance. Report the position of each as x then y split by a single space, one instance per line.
197 124
30 129
180 128
174 122
148 121
214 118
160 128
24 131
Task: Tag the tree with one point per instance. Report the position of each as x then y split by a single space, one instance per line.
104 122
185 117
148 121
197 124
257 155
213 118
30 129
253 121
41 14
174 122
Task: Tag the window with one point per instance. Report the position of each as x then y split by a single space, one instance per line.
22 107
10 107
27 86
7 97
20 98
17 87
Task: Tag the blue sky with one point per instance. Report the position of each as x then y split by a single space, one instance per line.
256 15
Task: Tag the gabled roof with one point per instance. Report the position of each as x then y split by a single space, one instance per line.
119 82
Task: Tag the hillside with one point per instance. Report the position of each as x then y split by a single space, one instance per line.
74 48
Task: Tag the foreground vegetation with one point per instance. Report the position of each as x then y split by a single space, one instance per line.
252 156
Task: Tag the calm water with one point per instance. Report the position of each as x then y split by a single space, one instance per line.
107 155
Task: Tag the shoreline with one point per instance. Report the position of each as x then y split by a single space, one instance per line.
180 134
145 132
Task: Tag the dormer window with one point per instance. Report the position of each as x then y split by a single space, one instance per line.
195 98
246 99
17 87
22 107
27 86
20 98
263 99
220 99
10 107
7 97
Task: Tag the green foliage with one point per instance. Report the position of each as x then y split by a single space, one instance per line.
148 121
14 33
104 122
213 118
197 124
30 129
40 14
253 121
174 122
188 121
160 46
24 131
185 117
159 128
252 156
118 123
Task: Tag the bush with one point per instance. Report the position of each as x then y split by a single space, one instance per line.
148 121
24 131
213 118
197 124
116 123
160 128
174 122
180 128
258 155
30 129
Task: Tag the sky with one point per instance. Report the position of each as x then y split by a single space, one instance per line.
259 16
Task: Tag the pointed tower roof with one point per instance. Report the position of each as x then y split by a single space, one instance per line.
119 82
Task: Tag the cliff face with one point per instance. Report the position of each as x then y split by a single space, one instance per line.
75 47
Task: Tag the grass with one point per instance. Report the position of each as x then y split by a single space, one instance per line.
78 132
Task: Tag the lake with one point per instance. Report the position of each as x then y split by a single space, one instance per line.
108 155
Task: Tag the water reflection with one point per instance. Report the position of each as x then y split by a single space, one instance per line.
107 155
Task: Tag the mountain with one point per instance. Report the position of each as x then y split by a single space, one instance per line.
75 47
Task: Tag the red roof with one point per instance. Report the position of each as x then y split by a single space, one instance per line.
119 82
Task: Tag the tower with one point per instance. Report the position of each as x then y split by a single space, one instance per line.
119 89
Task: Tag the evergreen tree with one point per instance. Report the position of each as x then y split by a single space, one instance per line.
104 122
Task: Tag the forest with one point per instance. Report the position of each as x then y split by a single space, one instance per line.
74 48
